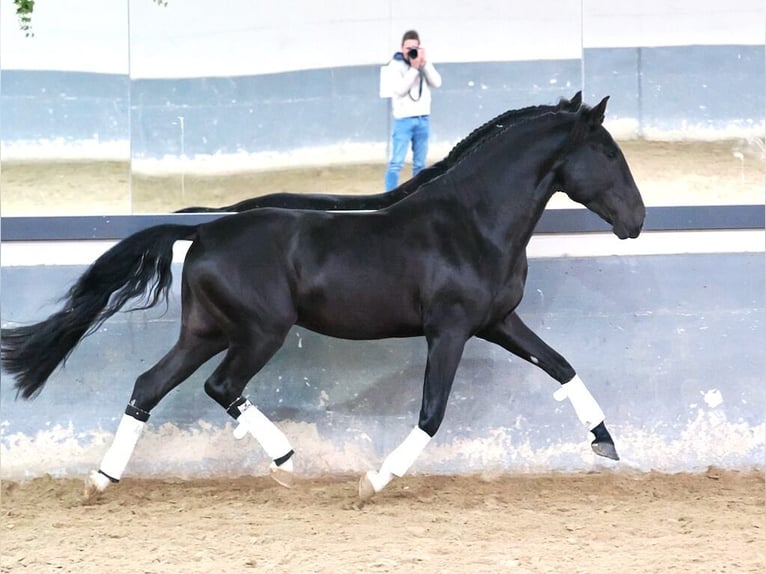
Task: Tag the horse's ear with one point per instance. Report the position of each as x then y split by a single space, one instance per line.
588 119
596 116
570 105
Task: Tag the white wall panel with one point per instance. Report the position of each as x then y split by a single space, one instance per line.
76 35
609 24
200 38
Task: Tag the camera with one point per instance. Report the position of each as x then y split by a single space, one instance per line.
412 53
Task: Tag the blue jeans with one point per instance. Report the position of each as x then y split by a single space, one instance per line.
416 130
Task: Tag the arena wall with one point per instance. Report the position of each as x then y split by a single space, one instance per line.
671 345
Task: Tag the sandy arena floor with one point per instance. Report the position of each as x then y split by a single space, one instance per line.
557 523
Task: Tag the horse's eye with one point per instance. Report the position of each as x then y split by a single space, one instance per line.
610 152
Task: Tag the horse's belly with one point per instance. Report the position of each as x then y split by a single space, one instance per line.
360 330
361 318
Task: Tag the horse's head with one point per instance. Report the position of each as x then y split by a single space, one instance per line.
594 172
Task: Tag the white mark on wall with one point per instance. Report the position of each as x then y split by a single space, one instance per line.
365 437
712 398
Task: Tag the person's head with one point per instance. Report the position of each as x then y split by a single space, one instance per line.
410 41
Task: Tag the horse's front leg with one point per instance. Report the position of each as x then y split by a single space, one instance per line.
513 335
444 353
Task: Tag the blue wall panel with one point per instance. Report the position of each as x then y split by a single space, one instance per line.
663 89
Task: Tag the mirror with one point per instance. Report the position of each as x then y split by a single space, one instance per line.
230 105
164 105
687 85
65 98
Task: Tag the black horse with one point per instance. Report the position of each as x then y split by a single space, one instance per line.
360 202
448 262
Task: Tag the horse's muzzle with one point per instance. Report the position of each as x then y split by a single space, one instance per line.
630 227
627 232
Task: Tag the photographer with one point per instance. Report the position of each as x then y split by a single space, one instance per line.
412 76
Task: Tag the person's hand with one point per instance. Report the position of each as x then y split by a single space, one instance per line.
420 61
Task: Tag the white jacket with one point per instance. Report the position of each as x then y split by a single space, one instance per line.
407 98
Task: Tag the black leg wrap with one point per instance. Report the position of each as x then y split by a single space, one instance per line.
283 459
233 408
111 478
136 413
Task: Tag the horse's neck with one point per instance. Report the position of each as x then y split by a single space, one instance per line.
524 221
500 188
512 198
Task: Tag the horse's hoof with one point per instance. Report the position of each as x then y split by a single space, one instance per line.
605 449
95 484
90 492
282 476
366 489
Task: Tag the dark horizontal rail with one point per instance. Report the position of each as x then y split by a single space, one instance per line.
114 227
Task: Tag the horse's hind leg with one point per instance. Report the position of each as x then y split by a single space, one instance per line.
242 361
513 335
176 366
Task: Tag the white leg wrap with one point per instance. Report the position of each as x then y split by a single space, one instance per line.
253 421
125 439
98 483
403 456
400 460
585 406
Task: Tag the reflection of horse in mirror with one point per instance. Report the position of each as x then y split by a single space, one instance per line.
447 262
338 202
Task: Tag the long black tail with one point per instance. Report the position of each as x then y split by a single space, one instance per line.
137 266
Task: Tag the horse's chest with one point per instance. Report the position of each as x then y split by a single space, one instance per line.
508 298
509 294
